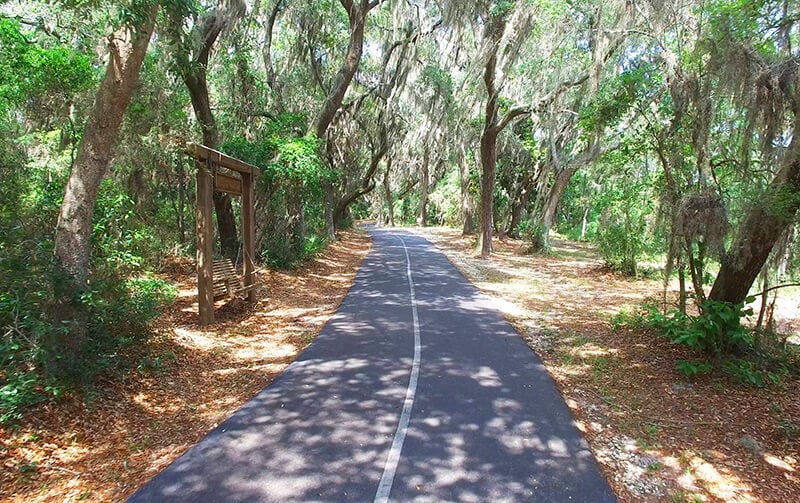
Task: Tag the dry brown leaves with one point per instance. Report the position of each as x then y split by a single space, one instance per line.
658 435
188 381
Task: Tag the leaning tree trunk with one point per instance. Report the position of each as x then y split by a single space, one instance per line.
763 225
73 234
553 199
357 12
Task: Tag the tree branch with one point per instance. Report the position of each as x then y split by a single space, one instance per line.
511 115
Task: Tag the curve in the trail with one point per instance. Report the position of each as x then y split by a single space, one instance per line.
361 417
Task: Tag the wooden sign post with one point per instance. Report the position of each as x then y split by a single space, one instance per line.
209 180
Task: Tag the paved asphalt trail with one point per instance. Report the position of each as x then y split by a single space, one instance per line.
485 422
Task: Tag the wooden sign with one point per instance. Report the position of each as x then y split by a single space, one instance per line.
229 184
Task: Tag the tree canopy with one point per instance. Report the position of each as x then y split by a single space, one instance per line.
663 131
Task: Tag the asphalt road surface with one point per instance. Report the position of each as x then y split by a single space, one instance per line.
416 390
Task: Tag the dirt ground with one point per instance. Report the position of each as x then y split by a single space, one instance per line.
658 435
187 381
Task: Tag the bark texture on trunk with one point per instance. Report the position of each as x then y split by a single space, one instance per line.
553 199
424 183
387 188
762 227
518 205
489 166
73 235
127 49
467 204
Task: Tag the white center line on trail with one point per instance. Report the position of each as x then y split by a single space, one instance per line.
390 468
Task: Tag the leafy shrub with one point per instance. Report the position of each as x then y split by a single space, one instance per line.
621 247
629 319
121 240
750 373
691 368
34 295
534 234
718 330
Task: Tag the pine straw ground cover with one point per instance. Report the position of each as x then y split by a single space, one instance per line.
187 381
657 435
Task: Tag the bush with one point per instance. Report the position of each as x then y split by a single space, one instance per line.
693 368
752 374
716 331
534 234
621 247
34 295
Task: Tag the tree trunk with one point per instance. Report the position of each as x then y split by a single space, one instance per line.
74 230
467 205
266 54
194 76
518 205
517 208
195 81
761 228
585 221
489 166
553 199
388 192
422 218
73 236
357 12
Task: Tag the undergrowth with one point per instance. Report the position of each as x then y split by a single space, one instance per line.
722 343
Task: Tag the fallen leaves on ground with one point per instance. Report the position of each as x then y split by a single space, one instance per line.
102 447
658 435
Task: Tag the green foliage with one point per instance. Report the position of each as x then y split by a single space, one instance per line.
122 242
621 245
444 205
290 185
533 233
623 235
501 8
691 368
117 307
28 70
282 153
751 374
716 331
618 95
149 294
440 81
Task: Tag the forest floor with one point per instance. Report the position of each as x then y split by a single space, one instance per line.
188 379
658 435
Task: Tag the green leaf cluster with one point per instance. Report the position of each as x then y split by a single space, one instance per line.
283 155
28 70
716 331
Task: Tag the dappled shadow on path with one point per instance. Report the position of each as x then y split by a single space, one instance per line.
487 423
